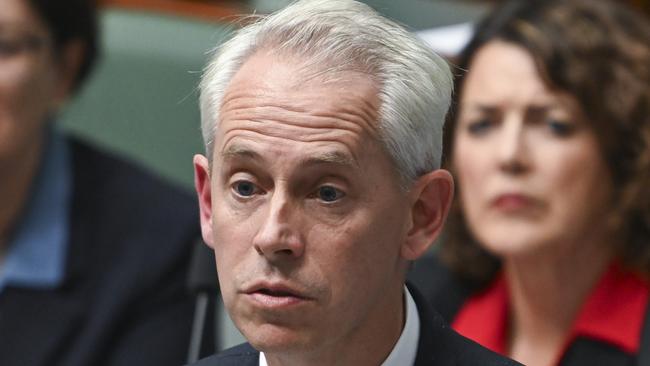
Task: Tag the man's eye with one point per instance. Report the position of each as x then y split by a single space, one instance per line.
329 194
245 188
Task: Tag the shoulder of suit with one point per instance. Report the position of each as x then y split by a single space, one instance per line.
125 192
440 344
121 213
465 352
470 353
241 355
442 288
105 170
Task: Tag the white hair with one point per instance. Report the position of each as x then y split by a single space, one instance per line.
414 83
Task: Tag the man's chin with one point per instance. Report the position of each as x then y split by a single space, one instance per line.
269 338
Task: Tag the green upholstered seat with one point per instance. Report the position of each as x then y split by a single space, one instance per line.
141 101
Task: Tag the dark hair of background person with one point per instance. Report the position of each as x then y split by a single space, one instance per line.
641 5
68 21
598 53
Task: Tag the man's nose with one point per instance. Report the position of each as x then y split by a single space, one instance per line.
278 237
512 149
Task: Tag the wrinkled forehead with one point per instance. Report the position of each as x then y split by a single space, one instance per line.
270 100
268 83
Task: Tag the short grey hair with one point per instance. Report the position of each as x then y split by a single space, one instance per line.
415 84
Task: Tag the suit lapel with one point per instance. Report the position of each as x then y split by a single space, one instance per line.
433 333
644 353
590 352
249 360
242 355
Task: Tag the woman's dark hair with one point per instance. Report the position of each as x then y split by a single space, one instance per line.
598 52
71 20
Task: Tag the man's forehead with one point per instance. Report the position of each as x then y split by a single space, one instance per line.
264 101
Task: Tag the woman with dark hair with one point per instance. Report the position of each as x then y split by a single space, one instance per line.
547 257
93 250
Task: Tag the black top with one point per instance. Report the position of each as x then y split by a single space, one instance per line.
439 345
123 299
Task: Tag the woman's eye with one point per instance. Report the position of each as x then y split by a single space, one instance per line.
329 194
9 48
479 127
560 128
245 188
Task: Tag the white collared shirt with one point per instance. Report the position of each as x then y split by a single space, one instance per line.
406 348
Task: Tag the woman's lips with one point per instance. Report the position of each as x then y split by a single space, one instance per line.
513 202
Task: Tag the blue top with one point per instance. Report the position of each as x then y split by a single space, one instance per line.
36 252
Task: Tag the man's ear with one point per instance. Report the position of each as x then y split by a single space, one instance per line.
204 192
69 65
431 198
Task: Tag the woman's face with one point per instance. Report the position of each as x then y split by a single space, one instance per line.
529 168
30 76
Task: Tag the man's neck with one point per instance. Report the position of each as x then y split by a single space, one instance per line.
370 345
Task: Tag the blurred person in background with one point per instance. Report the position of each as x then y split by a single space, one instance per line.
93 250
547 257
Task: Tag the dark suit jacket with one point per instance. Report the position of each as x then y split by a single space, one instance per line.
439 345
447 293
123 299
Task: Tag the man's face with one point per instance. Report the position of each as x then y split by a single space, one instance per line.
304 210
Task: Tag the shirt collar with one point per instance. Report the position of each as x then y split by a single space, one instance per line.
614 312
36 253
406 348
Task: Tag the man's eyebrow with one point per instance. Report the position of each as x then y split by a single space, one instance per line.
239 151
333 157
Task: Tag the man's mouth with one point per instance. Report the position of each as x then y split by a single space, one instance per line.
275 295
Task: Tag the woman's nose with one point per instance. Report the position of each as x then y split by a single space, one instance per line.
512 148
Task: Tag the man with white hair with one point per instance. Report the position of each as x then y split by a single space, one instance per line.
321 183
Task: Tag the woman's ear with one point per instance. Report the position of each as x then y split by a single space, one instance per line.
204 193
431 198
